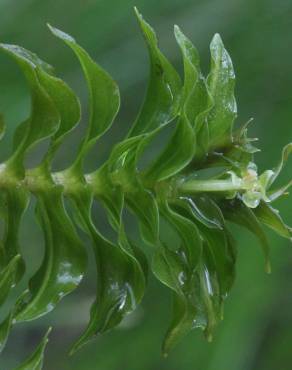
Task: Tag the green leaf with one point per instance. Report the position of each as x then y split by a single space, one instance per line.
182 321
170 268
111 196
175 156
196 298
271 217
239 213
144 206
217 242
104 97
35 361
222 253
197 100
7 277
191 63
171 161
63 264
122 169
221 86
67 105
188 232
203 209
44 119
16 202
5 327
161 103
120 281
63 97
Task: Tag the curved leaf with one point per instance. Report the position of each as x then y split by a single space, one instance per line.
271 217
196 97
203 209
217 241
16 202
221 252
161 103
170 268
67 104
35 361
7 277
221 86
175 156
239 213
120 281
188 232
44 119
64 261
144 206
104 97
5 327
123 171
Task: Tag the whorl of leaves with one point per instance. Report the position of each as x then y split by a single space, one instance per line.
196 204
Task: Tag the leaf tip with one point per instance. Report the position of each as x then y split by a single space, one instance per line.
176 29
217 38
60 34
138 14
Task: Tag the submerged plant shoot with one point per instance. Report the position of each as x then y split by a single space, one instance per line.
203 178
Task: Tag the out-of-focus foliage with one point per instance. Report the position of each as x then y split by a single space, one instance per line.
255 74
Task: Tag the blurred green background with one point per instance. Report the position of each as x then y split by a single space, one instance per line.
257 330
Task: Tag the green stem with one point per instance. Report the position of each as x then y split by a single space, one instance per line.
203 186
36 180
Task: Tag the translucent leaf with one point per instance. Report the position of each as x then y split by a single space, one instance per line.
122 169
204 210
65 101
197 100
196 297
5 327
242 215
16 202
218 244
7 277
221 86
188 232
174 156
35 361
210 294
181 324
120 281
67 105
271 217
111 196
64 262
161 103
44 119
223 258
144 206
104 98
170 268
